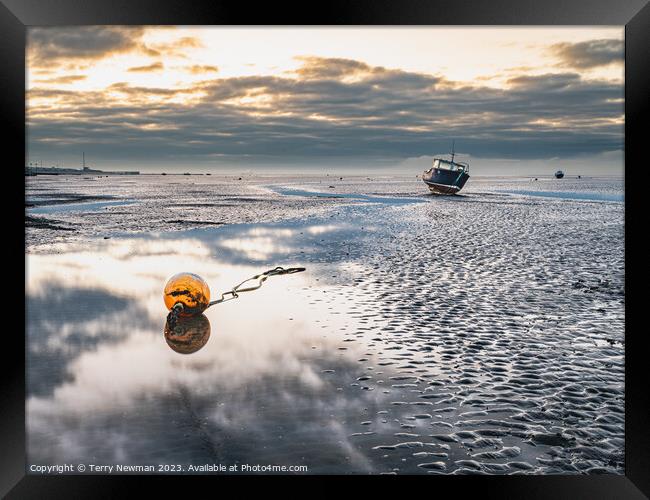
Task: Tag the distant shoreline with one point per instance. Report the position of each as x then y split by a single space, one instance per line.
248 175
34 171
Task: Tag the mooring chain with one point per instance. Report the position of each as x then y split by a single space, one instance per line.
235 291
262 277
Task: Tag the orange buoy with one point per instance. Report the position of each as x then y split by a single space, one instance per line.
189 290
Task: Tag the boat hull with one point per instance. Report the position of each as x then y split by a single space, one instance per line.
441 181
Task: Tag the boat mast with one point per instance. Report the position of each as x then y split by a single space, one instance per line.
453 142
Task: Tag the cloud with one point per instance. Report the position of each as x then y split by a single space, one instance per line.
317 67
331 109
589 54
547 82
198 69
63 80
158 66
175 48
53 44
47 46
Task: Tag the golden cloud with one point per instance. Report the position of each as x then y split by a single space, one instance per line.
157 66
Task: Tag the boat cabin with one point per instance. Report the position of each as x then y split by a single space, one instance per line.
439 163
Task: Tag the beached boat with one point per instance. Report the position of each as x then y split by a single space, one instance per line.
446 176
559 174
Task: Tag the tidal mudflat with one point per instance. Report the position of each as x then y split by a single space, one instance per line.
473 334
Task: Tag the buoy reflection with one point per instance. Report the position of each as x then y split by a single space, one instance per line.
189 334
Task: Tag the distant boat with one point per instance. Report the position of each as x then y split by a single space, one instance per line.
559 174
446 176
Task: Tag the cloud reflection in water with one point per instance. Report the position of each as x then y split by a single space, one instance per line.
271 387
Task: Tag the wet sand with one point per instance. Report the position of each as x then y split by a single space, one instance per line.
481 333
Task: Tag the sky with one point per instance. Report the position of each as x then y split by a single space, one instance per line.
516 100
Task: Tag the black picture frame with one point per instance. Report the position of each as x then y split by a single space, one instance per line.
17 15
